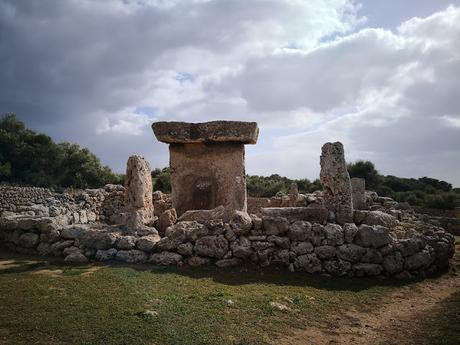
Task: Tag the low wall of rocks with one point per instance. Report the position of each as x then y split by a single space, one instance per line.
297 238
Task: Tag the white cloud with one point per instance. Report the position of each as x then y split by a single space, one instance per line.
307 71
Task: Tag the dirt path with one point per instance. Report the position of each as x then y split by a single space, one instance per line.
396 321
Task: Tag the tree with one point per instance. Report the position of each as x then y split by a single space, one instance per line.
365 170
31 158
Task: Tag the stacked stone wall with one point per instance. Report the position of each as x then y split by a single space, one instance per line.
299 239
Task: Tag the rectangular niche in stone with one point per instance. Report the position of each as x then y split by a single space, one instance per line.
207 163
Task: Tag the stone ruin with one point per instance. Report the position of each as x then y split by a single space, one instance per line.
207 163
340 231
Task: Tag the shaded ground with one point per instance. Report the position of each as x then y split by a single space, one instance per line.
427 312
44 302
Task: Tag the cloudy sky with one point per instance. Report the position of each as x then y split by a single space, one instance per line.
382 76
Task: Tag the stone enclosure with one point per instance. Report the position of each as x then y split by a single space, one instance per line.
343 230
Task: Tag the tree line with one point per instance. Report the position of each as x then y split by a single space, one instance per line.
30 158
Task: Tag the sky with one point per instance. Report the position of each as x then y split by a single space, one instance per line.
381 76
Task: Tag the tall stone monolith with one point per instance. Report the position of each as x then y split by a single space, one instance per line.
138 194
293 194
336 183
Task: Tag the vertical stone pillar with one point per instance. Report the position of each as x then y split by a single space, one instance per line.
358 189
138 194
293 195
336 182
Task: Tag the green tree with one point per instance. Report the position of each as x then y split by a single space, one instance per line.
365 170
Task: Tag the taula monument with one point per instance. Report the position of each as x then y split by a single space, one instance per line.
207 163
341 230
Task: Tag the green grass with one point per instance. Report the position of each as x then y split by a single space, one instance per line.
190 306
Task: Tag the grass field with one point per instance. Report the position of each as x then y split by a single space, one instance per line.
53 303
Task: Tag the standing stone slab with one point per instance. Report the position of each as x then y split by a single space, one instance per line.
207 163
358 189
138 193
336 182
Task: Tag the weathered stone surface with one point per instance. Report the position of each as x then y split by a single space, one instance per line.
105 255
373 236
420 260
76 257
302 248
300 231
73 232
186 231
350 252
292 214
204 216
275 225
376 218
309 263
147 243
337 267
28 240
44 248
293 194
393 263
166 219
126 242
212 246
138 197
410 246
196 261
358 190
185 249
280 241
349 231
165 258
205 176
131 256
207 132
325 252
240 222
372 256
334 234
99 239
336 182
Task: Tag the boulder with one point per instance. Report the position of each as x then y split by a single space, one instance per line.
240 222
373 236
76 257
212 246
349 231
28 240
196 261
337 267
131 256
126 242
275 225
325 252
350 252
393 263
166 219
421 260
204 216
334 234
186 231
147 243
185 249
165 258
376 218
73 232
300 231
309 263
105 255
302 248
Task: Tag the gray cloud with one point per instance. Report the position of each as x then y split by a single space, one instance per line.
99 72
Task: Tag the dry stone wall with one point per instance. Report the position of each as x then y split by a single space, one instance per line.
297 238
